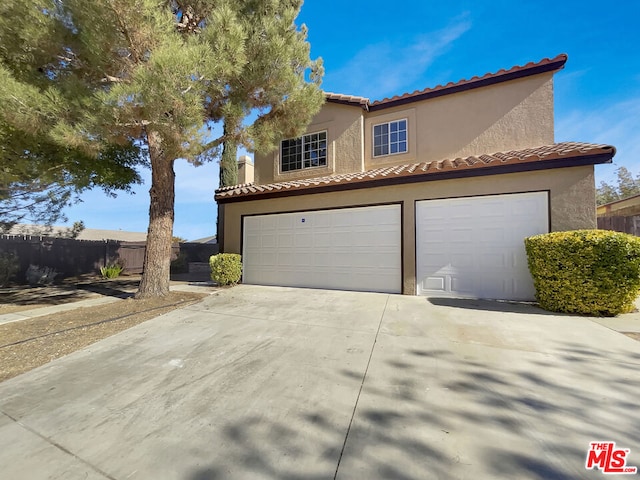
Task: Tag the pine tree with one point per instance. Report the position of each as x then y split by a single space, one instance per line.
151 74
39 178
626 186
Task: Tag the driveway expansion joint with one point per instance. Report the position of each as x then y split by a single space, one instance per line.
364 377
57 445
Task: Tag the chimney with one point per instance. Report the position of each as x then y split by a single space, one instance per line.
245 169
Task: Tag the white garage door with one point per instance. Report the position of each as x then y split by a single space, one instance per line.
474 247
345 249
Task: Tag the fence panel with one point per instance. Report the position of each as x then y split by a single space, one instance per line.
629 225
71 257
131 254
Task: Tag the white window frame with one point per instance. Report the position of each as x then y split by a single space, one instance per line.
388 137
306 140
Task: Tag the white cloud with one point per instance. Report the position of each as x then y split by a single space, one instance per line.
615 124
387 68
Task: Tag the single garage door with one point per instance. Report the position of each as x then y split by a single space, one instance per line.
473 247
344 249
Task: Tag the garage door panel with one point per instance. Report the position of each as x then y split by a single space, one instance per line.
279 258
463 284
321 222
433 263
435 283
282 223
341 218
459 211
498 260
354 248
492 235
462 260
321 261
341 238
481 254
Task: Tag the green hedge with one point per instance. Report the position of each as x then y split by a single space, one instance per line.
590 272
226 268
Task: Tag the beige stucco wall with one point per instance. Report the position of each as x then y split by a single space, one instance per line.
572 203
344 127
506 116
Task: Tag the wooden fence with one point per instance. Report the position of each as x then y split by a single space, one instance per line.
72 257
621 224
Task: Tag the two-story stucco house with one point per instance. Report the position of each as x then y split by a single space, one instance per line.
427 193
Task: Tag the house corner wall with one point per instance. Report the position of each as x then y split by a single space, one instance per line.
574 207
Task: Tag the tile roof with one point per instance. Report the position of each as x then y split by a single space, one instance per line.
518 71
565 154
347 99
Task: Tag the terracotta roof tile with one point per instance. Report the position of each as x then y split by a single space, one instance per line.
347 99
556 155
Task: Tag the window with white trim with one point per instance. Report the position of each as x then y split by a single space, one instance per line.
308 151
390 138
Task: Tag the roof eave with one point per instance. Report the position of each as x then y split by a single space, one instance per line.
348 103
551 66
561 162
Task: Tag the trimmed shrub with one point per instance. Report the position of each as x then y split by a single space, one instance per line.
589 272
226 268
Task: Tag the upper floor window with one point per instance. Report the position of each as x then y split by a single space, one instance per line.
390 138
307 151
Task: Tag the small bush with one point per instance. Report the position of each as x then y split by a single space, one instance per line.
37 275
9 266
112 270
589 272
226 268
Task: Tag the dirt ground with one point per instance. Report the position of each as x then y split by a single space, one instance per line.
29 343
17 298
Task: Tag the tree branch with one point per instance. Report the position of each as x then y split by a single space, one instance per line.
112 79
125 31
214 143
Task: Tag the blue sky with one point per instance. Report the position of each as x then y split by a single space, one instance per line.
378 49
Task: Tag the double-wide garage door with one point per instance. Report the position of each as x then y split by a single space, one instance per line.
346 249
465 247
474 247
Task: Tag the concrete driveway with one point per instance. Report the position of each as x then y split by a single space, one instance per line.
279 383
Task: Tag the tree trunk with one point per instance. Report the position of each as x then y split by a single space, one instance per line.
228 161
157 257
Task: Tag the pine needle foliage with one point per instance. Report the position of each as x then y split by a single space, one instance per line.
94 81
